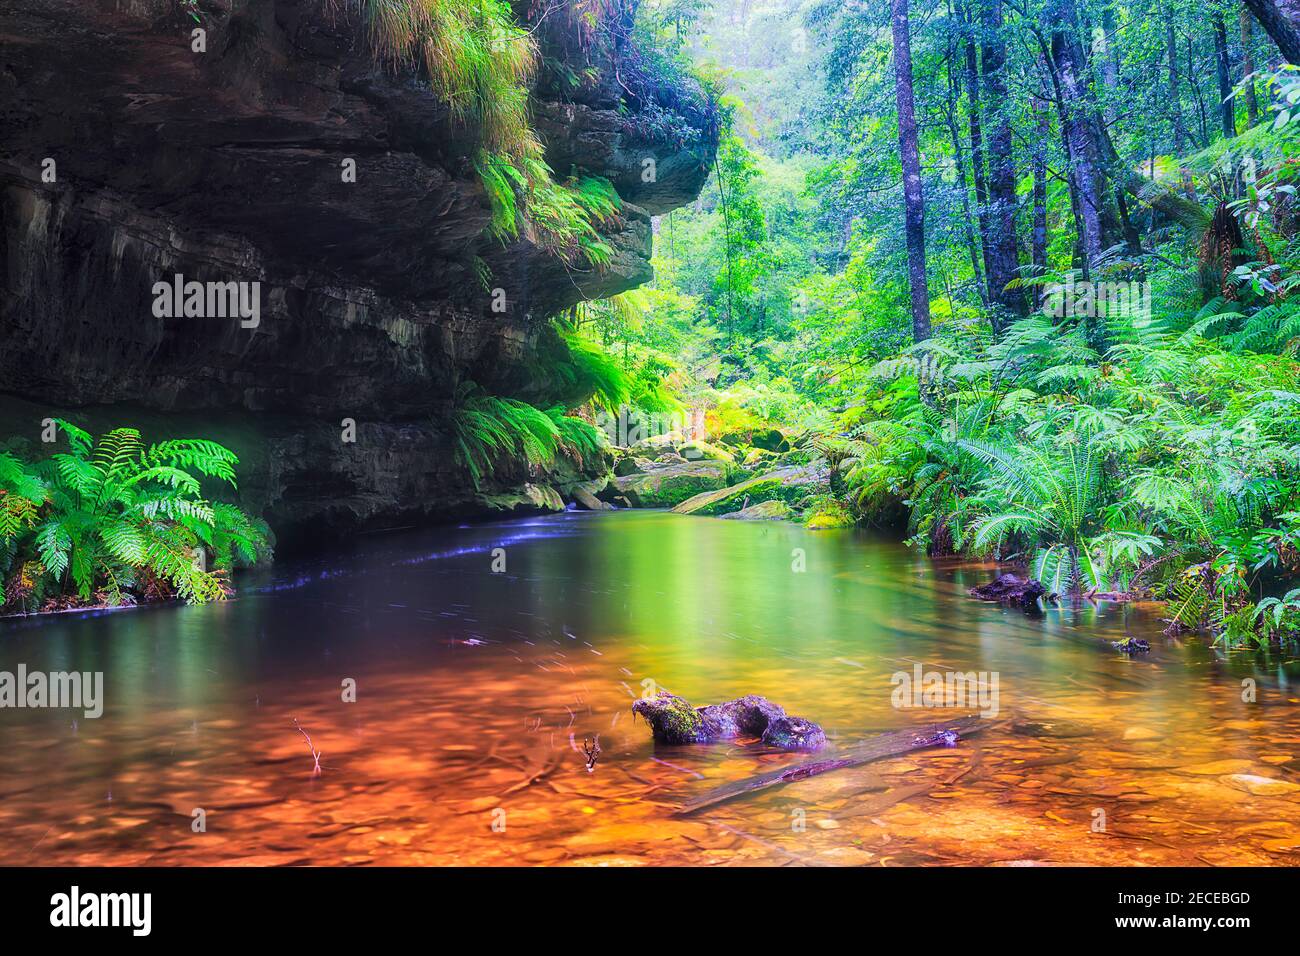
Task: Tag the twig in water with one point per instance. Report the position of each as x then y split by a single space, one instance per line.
316 754
592 751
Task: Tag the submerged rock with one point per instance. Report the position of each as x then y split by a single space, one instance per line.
1010 589
794 733
1134 645
673 721
1259 786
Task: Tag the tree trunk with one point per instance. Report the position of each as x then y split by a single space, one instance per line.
1227 106
1043 129
1281 21
1196 91
1003 248
1248 67
909 151
1175 109
1079 132
959 159
977 145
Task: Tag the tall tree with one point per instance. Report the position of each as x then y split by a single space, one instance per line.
1222 69
973 110
1003 247
910 154
1174 104
1080 133
1042 130
1248 66
1280 20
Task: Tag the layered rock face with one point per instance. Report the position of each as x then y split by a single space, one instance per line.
128 158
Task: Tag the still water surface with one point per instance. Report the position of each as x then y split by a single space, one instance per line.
475 691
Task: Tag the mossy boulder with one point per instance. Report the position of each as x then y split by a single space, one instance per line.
631 465
665 485
696 450
527 499
774 510
769 439
675 722
829 515
789 485
655 445
756 457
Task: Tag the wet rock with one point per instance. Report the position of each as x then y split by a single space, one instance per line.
1217 767
1132 647
1011 589
1259 786
529 498
773 510
792 484
1063 729
587 501
665 485
673 721
794 733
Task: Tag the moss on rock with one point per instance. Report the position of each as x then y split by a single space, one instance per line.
790 485
665 485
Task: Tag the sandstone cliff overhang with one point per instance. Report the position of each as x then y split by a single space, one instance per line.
127 158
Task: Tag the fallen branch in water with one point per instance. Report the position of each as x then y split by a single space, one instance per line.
886 745
316 754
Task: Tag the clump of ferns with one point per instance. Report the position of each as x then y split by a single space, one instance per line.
491 433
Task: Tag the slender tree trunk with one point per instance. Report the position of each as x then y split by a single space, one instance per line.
977 144
1107 53
1043 129
959 159
1227 105
1280 20
1175 107
1003 247
909 151
1087 168
1196 91
1248 66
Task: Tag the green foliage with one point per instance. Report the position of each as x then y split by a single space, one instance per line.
488 430
585 372
579 439
115 517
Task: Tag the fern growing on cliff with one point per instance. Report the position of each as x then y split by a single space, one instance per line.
489 431
479 60
579 439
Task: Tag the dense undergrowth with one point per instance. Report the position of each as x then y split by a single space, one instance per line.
1145 446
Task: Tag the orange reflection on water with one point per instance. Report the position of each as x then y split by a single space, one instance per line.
470 753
